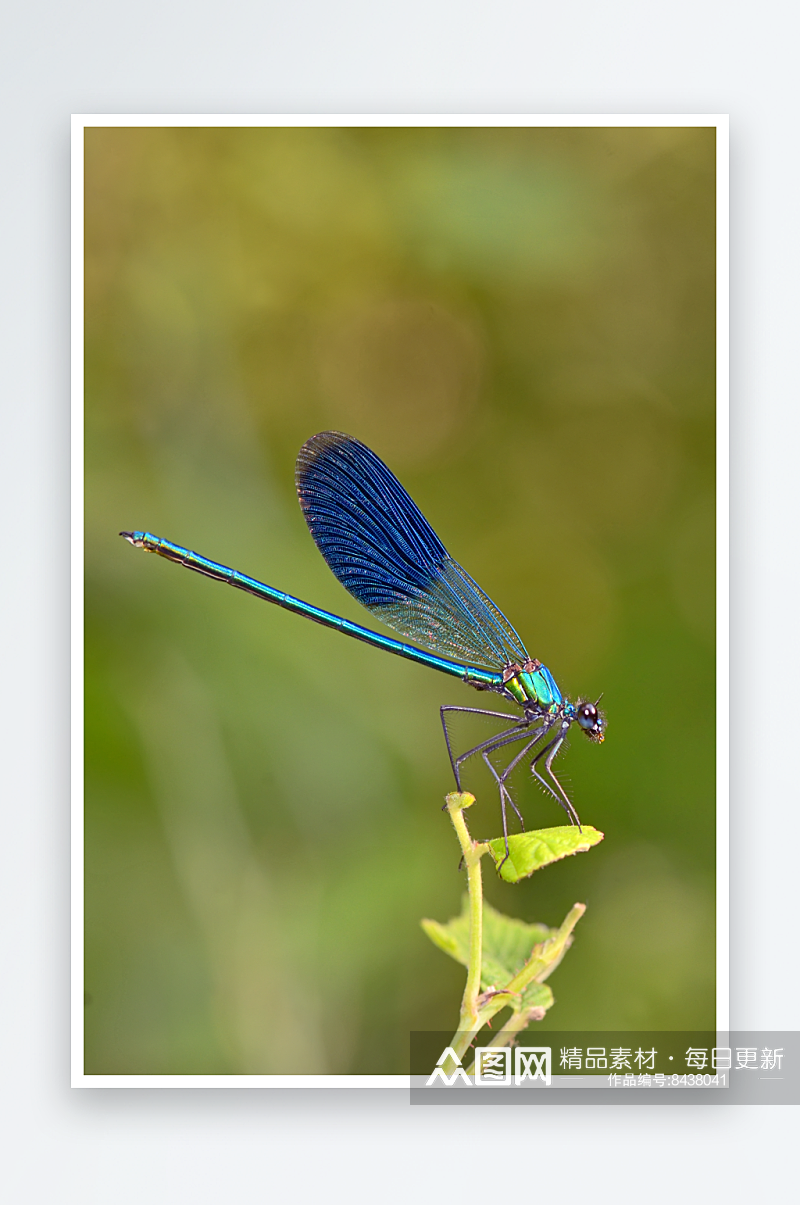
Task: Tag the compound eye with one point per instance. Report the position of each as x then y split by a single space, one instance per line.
587 716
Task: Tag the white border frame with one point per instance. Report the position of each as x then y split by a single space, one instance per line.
79 124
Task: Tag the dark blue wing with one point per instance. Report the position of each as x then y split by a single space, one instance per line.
383 550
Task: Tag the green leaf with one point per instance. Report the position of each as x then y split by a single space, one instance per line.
535 995
507 946
516 956
528 852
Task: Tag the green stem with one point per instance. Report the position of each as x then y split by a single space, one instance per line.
543 961
472 852
513 1026
544 958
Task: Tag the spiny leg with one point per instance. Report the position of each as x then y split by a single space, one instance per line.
501 715
455 762
490 746
497 741
573 815
535 736
556 741
503 796
500 779
520 731
549 752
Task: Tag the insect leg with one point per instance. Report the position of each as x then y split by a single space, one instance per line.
536 736
500 779
455 762
502 740
503 796
561 797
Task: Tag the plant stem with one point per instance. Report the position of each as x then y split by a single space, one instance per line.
477 1011
472 852
513 1026
545 958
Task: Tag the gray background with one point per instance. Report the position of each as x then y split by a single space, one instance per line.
619 57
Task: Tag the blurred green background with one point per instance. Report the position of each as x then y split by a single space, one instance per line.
521 323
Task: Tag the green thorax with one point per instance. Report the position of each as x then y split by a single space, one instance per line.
533 684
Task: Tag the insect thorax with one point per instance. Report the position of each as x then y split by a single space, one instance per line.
532 683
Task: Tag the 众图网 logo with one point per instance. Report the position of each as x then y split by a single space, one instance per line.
493 1067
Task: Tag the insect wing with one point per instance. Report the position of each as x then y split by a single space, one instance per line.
385 553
